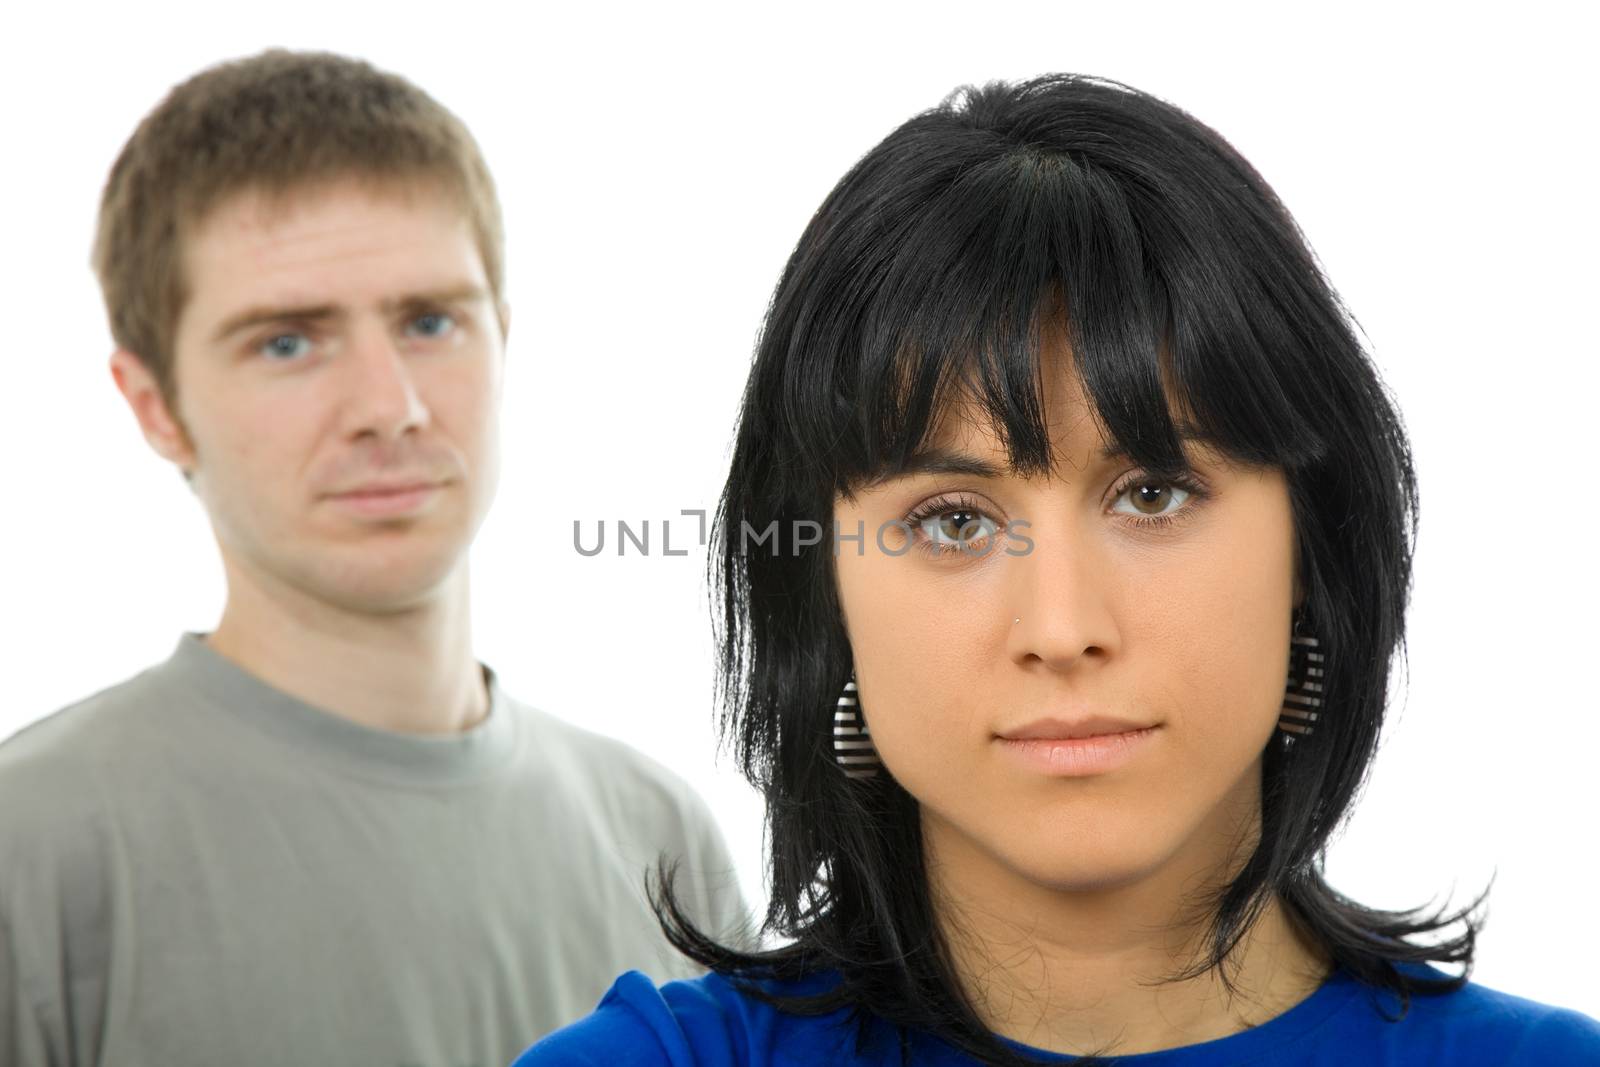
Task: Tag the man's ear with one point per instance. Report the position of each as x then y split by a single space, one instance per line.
503 309
161 427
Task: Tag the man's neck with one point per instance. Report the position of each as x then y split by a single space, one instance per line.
410 672
1081 971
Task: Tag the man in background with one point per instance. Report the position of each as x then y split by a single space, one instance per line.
321 833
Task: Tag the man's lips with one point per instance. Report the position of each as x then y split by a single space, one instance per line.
389 488
388 500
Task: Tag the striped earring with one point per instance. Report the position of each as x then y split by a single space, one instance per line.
1302 696
852 745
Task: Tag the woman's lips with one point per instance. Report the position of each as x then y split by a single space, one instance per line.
1073 757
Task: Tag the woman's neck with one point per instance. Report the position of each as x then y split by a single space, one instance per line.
1079 971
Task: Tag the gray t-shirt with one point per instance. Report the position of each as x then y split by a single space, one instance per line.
197 868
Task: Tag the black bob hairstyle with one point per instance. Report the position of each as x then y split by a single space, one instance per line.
926 273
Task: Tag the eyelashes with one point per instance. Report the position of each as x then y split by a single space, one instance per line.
1192 493
954 524
960 524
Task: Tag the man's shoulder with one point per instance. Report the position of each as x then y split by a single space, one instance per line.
98 721
610 763
50 769
57 821
643 811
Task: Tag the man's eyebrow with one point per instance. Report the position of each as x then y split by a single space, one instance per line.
464 293
260 314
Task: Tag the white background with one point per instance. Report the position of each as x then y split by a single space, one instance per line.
656 166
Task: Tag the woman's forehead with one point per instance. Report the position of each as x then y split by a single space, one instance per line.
1018 403
966 424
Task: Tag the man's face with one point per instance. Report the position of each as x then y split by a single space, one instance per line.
338 367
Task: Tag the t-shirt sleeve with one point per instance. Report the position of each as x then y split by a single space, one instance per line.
22 1039
633 1025
55 924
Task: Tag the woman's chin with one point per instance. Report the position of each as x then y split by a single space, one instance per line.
1096 872
1061 861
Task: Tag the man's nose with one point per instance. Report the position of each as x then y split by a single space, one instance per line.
381 394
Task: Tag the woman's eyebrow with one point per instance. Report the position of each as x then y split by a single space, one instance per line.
948 461
1186 435
940 461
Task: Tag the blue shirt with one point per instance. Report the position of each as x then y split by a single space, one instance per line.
708 1022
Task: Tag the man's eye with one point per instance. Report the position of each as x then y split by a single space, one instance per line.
433 324
285 346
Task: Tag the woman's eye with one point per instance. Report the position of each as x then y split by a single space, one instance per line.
1151 497
433 324
958 527
285 346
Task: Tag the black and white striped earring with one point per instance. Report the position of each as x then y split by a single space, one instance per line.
852 745
1302 697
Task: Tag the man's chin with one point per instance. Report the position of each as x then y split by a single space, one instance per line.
387 583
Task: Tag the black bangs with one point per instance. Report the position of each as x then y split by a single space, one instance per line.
938 268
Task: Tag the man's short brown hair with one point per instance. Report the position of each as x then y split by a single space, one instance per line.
271 124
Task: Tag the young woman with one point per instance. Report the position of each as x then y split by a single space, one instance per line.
1064 553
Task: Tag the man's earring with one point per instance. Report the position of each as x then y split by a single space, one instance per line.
1302 696
852 745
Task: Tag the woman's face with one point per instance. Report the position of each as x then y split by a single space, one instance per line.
1125 599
